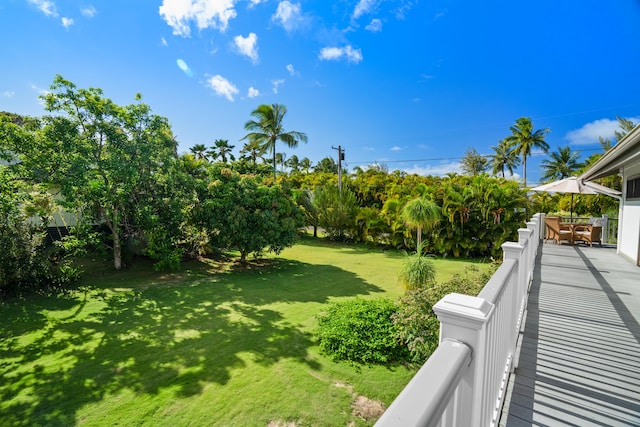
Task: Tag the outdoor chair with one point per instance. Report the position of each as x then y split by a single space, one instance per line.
588 234
554 231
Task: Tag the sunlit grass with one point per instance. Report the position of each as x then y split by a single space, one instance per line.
216 344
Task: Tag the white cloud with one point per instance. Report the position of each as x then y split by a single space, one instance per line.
247 46
289 15
253 92
276 84
163 42
256 2
292 70
8 94
67 22
437 170
222 87
179 14
41 92
589 133
88 11
45 6
375 26
396 148
438 15
337 53
363 7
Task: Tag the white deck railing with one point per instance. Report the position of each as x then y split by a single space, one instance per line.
464 381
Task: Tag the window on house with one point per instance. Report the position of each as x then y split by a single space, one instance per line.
633 188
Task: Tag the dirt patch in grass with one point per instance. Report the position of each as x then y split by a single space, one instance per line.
278 423
363 407
367 409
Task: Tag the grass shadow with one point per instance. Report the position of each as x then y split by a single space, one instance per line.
152 333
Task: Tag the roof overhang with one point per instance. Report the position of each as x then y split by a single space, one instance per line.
626 151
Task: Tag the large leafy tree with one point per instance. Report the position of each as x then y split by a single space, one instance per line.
267 127
242 213
562 164
104 158
524 139
503 157
473 163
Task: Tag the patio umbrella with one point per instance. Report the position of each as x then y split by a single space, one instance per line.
575 185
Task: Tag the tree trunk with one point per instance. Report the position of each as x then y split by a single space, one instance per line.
243 256
117 244
117 250
419 241
315 230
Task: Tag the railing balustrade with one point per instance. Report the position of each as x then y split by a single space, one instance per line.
464 381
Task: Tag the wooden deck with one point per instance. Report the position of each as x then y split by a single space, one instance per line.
579 362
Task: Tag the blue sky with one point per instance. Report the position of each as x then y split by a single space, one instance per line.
408 83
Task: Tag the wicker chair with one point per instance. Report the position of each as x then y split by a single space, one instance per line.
554 231
588 234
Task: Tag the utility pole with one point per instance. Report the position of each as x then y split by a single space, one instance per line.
340 159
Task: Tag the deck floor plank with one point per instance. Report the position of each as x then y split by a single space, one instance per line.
579 360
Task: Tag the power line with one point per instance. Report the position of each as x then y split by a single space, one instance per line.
437 159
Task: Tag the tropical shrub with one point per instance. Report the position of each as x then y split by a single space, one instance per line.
417 272
337 211
361 331
417 325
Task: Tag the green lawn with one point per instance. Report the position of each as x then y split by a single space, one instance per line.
201 347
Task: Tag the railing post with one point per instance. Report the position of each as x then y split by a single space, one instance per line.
515 251
605 228
533 242
464 318
524 240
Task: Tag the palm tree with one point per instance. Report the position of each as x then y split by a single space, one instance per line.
199 151
222 149
305 164
267 128
252 150
504 157
280 160
420 213
562 164
523 139
294 163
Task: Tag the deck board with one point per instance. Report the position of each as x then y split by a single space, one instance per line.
579 359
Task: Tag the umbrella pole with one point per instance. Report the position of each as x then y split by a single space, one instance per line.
571 210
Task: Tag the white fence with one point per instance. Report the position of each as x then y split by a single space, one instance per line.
464 381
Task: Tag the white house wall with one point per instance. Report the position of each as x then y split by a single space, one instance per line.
629 232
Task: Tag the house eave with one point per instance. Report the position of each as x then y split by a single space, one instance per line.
626 151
